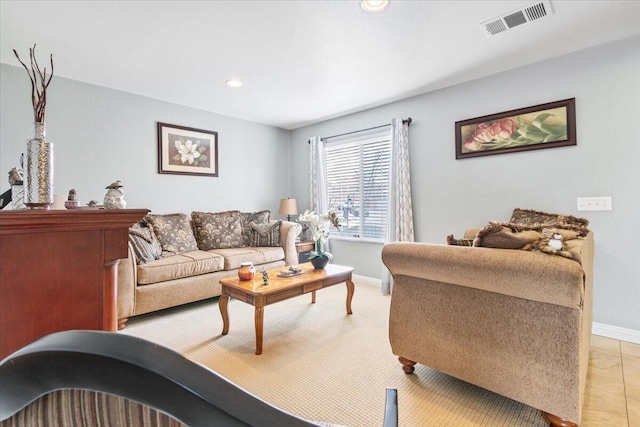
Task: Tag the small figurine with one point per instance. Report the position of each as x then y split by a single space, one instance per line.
114 199
265 278
72 200
93 204
556 241
15 176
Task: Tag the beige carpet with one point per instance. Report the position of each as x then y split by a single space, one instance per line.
322 364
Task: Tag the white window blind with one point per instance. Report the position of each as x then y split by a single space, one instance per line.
357 176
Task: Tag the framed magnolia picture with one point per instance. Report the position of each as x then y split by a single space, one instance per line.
541 126
187 151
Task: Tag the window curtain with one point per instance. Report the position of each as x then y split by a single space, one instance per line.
399 209
317 177
318 180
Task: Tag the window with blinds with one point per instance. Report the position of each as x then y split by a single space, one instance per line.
357 178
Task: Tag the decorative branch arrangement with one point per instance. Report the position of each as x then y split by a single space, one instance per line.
39 83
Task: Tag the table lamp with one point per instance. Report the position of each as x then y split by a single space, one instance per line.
288 207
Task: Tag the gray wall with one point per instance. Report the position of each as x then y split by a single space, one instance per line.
101 135
450 195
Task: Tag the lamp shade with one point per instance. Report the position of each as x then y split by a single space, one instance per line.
288 207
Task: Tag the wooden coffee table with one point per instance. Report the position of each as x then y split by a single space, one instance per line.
279 289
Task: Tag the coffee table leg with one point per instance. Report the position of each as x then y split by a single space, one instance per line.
223 302
259 326
350 290
313 297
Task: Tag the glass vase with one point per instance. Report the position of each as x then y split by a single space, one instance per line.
38 170
17 197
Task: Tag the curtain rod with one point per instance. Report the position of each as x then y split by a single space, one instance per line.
407 121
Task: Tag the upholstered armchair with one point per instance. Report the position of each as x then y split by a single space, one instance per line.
516 322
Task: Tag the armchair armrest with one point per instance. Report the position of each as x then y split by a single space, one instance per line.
523 274
289 230
127 282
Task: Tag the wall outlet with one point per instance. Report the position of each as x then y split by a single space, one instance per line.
594 203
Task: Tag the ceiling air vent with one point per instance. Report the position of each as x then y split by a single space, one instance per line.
521 16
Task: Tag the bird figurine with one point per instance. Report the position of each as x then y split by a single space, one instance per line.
114 199
16 176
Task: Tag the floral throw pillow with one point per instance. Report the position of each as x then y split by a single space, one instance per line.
261 217
174 233
220 230
265 235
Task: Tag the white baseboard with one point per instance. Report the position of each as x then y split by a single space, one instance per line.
365 280
616 332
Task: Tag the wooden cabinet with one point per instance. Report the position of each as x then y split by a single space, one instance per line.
58 271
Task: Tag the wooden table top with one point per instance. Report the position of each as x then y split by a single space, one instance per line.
276 283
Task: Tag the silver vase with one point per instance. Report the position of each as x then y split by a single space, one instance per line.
17 197
38 170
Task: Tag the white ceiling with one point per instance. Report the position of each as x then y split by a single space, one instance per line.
301 61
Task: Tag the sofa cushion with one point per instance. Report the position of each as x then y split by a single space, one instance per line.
173 232
144 243
234 256
265 234
218 230
187 264
261 217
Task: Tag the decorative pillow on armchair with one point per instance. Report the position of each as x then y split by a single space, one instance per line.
261 217
173 232
219 230
496 235
458 242
265 235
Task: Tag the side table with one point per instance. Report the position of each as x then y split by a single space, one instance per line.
303 249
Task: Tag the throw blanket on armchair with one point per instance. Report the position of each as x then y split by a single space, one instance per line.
535 231
505 236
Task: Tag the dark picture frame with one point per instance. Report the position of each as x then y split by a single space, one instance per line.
541 126
185 150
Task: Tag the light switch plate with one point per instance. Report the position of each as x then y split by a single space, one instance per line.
594 203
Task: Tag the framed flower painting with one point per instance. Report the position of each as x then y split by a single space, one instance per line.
187 151
541 126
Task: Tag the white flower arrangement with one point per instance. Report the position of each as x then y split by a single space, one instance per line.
320 226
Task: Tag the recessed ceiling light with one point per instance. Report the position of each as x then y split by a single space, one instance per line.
374 5
234 83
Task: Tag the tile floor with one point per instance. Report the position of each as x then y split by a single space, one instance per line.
612 397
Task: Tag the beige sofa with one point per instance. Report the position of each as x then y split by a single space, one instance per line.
515 322
193 275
